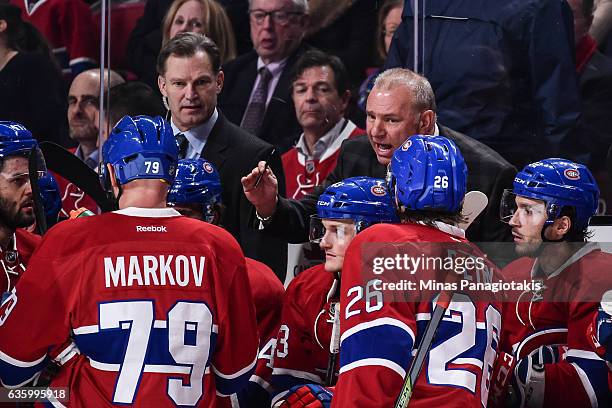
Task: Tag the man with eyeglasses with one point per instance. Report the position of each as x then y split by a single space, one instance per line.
257 92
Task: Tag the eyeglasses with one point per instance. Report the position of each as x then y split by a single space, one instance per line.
279 17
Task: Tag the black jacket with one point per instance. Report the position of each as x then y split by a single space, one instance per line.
234 153
280 126
487 172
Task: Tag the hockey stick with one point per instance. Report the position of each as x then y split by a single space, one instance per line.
473 204
39 210
73 169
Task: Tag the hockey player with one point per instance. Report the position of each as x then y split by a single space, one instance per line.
549 211
378 332
196 193
157 304
305 352
16 205
600 332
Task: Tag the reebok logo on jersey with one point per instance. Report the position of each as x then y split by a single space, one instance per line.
151 228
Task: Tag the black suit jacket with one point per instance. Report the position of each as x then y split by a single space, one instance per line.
280 126
487 172
234 153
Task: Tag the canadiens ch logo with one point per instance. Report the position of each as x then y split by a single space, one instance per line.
208 168
407 145
572 174
310 167
378 191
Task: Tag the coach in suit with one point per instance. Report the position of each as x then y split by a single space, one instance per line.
401 104
190 79
257 95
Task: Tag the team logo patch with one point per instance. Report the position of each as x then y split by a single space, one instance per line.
407 145
378 191
208 168
310 167
572 174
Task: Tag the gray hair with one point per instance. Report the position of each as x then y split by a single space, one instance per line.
300 5
424 98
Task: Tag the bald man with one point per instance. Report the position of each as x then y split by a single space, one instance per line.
83 111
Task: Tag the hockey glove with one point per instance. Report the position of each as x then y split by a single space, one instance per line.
600 334
527 387
308 396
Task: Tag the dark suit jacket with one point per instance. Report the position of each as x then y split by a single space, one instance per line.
280 126
235 153
487 172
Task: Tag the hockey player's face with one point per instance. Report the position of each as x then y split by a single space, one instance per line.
338 236
191 86
16 205
391 119
318 106
527 223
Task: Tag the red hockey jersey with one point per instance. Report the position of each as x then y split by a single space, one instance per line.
158 307
15 261
379 336
302 346
73 198
268 294
580 379
68 27
303 174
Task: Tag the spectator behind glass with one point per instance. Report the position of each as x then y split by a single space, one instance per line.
31 85
389 18
595 74
346 29
131 98
163 19
68 27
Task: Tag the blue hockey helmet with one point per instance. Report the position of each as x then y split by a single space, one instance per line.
365 200
197 182
428 173
559 183
140 147
51 198
15 139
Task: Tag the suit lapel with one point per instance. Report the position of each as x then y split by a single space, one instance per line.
282 92
246 81
217 143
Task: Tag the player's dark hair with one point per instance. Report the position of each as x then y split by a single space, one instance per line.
20 154
187 45
574 234
430 217
133 98
316 58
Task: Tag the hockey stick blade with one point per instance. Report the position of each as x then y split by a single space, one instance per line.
73 169
473 205
39 210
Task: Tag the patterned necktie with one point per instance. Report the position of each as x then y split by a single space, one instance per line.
256 109
183 144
